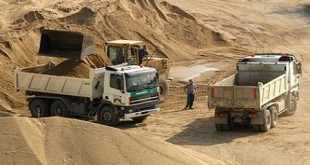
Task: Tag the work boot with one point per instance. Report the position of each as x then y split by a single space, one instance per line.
191 108
185 107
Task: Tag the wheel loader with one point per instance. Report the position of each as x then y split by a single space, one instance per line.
76 46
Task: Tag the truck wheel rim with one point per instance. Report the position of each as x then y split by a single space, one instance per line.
107 116
38 109
292 105
58 111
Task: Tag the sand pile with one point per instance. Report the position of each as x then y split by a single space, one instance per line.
68 141
71 68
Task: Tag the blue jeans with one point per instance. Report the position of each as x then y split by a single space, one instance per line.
190 100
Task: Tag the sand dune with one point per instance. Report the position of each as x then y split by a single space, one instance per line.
68 141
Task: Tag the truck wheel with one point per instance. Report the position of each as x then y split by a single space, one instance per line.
274 116
222 127
58 108
256 127
39 108
219 127
139 119
267 121
107 116
163 89
292 110
226 127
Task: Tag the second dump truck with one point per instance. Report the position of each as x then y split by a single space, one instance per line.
111 93
265 86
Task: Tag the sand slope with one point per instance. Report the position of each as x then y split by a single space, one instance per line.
69 141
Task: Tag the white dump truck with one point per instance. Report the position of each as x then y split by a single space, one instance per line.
110 93
265 86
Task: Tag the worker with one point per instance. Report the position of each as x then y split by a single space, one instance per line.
142 53
190 89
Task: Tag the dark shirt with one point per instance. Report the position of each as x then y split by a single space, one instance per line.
142 54
190 88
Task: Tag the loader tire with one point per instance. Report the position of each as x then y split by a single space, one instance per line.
267 122
58 108
293 108
163 90
107 116
39 108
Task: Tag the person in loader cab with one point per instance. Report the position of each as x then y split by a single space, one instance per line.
142 53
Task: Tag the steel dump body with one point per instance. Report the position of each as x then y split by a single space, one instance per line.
33 79
252 87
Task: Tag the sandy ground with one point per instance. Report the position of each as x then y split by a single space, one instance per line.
71 141
198 34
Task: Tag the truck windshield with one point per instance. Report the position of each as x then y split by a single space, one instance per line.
140 82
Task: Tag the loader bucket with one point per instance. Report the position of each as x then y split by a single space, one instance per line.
72 45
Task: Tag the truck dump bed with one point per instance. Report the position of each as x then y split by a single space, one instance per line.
253 86
33 79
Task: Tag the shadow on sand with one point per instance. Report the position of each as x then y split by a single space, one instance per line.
202 132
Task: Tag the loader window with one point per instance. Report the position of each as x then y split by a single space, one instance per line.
132 56
116 54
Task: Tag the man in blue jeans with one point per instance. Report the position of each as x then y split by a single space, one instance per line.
190 88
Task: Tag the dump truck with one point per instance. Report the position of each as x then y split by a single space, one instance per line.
265 86
109 94
75 45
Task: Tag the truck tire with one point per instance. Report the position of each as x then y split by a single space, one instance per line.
107 116
292 110
139 119
256 127
274 116
163 90
267 122
219 127
58 108
222 127
39 108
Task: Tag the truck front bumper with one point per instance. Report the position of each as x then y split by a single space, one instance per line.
140 113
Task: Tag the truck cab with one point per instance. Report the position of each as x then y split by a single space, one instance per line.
132 91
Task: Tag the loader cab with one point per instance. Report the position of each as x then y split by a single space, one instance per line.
123 51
